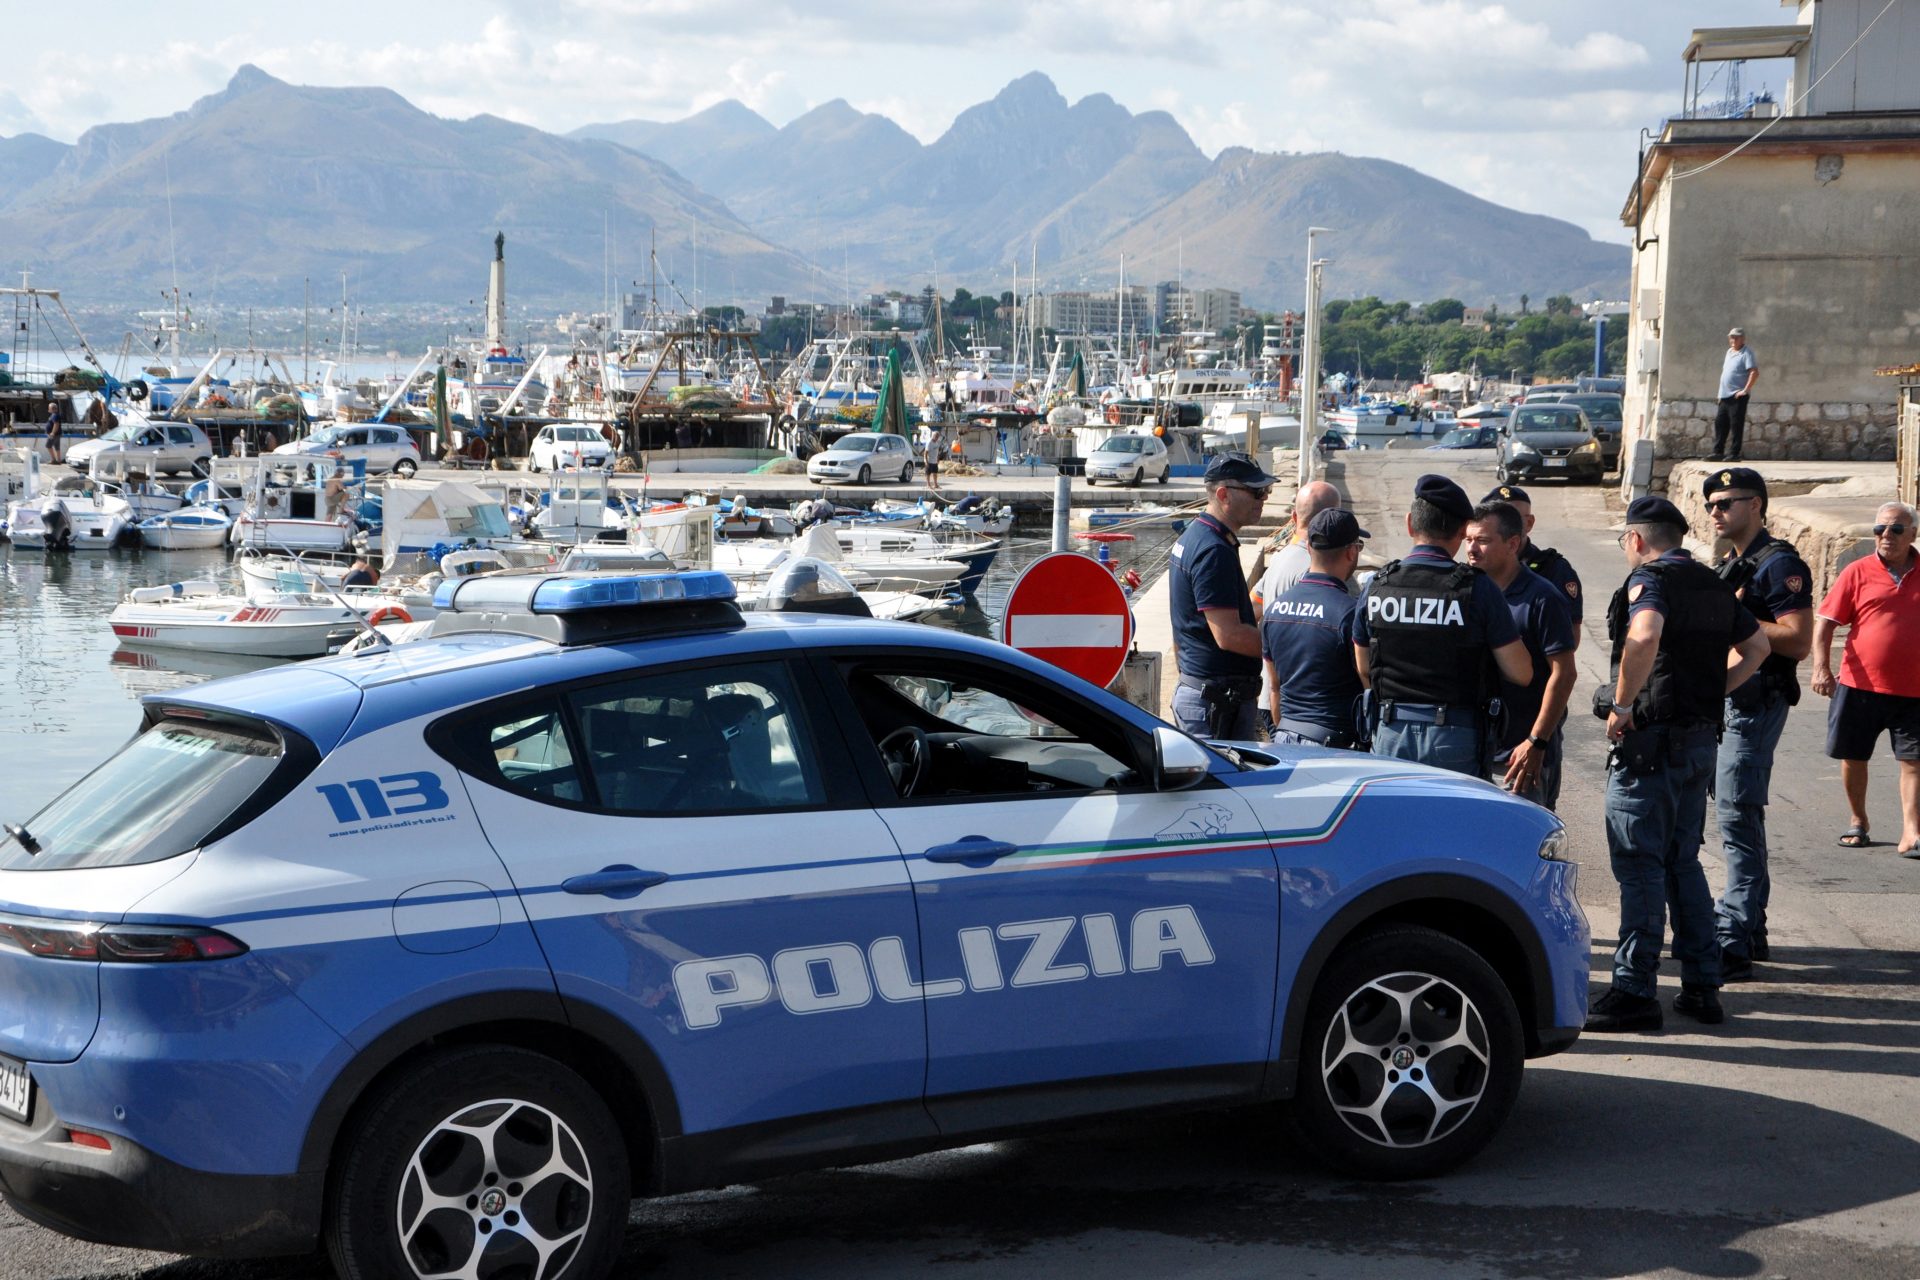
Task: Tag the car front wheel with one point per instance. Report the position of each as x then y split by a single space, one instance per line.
1411 1059
866 474
488 1162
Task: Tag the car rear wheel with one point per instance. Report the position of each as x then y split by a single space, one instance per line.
405 468
487 1162
1411 1058
1164 473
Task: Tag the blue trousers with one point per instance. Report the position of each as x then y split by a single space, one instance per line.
1444 746
1655 823
1190 713
1740 787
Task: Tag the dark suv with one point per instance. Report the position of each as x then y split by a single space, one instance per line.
1604 415
1544 441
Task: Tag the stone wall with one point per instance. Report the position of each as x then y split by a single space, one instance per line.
1850 432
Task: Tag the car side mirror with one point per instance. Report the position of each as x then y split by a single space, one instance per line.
1178 761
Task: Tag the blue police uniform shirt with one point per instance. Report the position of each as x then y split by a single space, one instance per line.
1488 619
1307 633
1560 573
1539 612
1643 593
1206 575
1780 587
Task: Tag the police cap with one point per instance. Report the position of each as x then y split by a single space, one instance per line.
1236 468
1332 529
1507 493
1444 495
1734 478
1652 510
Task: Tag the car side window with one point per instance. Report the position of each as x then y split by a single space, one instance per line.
180 435
987 732
526 749
719 739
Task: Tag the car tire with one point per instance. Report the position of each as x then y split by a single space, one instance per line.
865 476
405 468
474 1117
1387 1010
1502 474
1138 478
203 467
1165 475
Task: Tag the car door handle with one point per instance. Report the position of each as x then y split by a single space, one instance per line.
618 881
971 849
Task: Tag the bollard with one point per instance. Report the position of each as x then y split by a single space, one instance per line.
1062 508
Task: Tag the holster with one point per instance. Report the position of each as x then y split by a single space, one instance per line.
1642 751
1223 700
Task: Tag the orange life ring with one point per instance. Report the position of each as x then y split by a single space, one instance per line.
388 613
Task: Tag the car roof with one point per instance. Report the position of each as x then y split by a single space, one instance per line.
333 700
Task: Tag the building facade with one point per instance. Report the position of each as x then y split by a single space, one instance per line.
1796 221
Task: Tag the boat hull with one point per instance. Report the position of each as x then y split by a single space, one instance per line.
257 630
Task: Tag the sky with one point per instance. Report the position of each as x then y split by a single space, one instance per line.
1535 104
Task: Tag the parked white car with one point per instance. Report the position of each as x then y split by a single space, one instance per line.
153 447
1129 459
568 444
862 456
381 448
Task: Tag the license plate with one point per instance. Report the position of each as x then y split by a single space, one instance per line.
1553 462
16 1089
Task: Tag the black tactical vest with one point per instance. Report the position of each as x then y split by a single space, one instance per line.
1544 561
1423 649
1778 673
1689 678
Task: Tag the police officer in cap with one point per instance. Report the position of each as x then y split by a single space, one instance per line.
1432 638
1215 633
1307 635
1545 561
1773 583
1671 624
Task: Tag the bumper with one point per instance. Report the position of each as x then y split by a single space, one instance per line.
1586 467
134 1199
1547 1041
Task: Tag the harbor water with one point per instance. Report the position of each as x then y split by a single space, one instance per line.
72 695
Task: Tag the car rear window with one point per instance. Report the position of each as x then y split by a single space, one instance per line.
1546 419
163 794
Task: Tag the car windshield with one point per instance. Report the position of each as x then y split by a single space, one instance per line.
858 444
1527 418
159 797
1122 444
1599 408
1462 436
125 431
577 433
327 435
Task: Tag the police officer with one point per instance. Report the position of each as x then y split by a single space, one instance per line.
1431 639
1529 736
1773 583
1215 633
1671 624
1545 561
1307 636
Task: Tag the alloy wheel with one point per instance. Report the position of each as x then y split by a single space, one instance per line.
1406 1060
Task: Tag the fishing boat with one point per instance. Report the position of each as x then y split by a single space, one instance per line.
187 529
1368 416
205 616
577 509
302 503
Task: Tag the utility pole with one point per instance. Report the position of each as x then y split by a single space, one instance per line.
1310 364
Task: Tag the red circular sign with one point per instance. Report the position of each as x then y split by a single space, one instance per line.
1068 610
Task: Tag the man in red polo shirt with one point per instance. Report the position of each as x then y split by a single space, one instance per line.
1879 684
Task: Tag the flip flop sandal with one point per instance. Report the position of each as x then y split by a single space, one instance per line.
1855 838
1913 853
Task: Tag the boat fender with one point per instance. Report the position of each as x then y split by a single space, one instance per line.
388 613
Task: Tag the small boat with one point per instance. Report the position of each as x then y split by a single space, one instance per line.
971 515
1136 517
299 503
577 509
202 615
99 521
188 529
39 522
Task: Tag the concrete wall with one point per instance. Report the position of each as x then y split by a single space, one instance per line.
1809 243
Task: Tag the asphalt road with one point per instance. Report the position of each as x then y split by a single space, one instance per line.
1785 1142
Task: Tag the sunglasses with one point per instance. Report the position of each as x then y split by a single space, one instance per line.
1895 529
1258 493
1726 504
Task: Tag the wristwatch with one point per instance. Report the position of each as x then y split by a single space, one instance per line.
1625 709
1537 740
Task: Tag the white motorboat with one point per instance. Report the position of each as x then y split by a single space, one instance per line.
403 599
99 520
302 503
971 515
749 562
577 510
203 616
188 529
39 522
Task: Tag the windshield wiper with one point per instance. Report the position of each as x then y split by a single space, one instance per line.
23 838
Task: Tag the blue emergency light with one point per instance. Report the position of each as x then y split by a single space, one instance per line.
578 593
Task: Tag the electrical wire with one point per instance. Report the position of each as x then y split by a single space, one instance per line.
1795 105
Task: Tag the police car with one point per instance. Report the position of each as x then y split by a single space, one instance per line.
442 953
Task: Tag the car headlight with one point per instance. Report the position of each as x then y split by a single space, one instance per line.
1591 446
1554 847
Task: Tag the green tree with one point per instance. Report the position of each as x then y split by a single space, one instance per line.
1443 311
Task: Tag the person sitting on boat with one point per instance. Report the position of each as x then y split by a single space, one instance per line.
361 574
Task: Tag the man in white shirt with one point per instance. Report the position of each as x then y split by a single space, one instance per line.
1738 373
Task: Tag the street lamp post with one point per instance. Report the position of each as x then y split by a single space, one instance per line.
1310 364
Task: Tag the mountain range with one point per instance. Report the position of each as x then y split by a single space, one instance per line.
265 183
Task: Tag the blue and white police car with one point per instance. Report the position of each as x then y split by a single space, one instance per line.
442 953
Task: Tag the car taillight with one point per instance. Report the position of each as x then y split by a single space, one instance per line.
116 944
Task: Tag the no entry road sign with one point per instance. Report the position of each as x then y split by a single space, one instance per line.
1068 610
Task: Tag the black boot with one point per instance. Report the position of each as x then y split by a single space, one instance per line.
1618 1010
1700 1002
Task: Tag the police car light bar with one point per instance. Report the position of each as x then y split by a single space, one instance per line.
576 593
